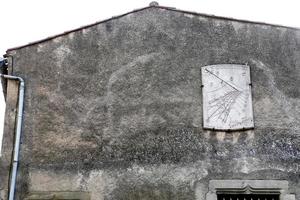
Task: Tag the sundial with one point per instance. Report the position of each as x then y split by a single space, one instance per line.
227 99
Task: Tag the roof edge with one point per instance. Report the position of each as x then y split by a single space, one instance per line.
144 8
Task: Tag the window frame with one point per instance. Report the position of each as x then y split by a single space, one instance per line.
249 187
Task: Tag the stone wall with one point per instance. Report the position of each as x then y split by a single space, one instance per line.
115 109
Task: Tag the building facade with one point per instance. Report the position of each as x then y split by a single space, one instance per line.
114 111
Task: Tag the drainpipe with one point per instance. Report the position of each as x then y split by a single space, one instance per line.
13 178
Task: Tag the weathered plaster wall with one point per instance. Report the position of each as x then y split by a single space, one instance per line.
116 110
8 137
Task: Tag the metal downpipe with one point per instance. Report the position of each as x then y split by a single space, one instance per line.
17 134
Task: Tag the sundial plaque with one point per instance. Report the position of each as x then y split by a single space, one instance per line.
227 99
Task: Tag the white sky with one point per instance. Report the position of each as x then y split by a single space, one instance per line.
24 21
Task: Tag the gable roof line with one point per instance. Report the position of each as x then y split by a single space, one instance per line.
141 9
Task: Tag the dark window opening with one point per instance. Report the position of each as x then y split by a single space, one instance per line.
248 196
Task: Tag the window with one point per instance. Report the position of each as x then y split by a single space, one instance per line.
249 190
228 196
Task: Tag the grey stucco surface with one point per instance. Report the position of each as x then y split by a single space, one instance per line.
116 109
